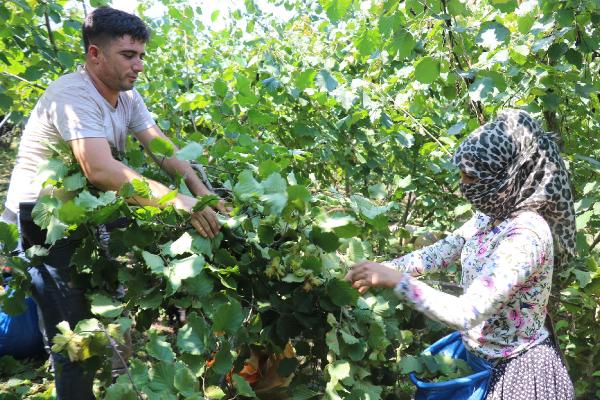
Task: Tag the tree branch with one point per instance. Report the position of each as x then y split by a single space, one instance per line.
475 105
23 79
114 347
595 242
50 33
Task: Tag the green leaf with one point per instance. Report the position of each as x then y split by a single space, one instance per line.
5 102
367 208
271 83
159 348
120 391
328 241
71 213
185 381
52 169
55 230
179 270
356 251
427 70
492 35
214 392
105 306
298 196
332 342
268 167
154 262
161 379
341 293
190 337
243 388
410 364
182 245
208 200
583 277
368 42
9 237
161 147
461 209
346 98
275 191
13 302
303 392
305 79
43 211
66 58
348 338
339 370
88 201
220 87
228 317
192 151
583 219
324 80
483 88
223 360
141 188
168 197
202 245
336 9
74 182
247 186
506 6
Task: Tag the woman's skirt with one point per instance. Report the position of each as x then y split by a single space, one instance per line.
537 374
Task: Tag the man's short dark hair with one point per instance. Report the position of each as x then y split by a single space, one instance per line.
105 24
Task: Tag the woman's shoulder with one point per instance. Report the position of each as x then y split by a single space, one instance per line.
529 222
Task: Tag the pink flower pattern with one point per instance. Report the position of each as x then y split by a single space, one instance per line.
506 277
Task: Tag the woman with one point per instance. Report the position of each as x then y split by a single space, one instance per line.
512 173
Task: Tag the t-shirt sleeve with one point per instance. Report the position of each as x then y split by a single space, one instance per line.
75 116
519 256
140 116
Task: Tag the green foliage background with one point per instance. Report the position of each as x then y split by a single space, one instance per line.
330 134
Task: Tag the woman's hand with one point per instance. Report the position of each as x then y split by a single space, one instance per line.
368 274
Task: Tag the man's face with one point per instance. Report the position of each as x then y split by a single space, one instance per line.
120 62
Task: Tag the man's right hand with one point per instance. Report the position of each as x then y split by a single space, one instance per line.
204 221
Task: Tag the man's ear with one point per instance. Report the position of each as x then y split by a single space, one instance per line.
93 52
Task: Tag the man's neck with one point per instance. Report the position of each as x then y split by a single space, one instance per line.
110 95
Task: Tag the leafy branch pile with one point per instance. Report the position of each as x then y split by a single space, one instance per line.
330 134
271 280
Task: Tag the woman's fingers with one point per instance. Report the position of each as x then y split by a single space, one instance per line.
371 274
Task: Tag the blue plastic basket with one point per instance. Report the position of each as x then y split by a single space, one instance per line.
470 387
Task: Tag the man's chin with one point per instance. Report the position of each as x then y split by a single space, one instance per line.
126 86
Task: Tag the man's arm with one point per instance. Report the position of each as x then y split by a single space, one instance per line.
106 173
175 166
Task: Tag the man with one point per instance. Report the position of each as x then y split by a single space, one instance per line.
93 109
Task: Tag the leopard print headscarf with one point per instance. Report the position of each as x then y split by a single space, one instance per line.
518 167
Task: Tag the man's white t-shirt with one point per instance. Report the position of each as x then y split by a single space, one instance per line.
71 108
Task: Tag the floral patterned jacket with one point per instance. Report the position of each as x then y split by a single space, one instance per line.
506 276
